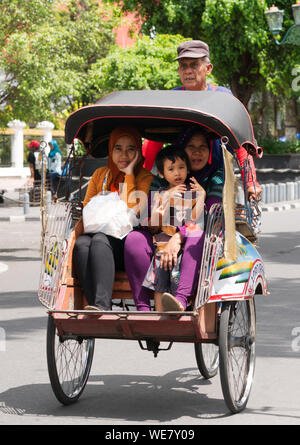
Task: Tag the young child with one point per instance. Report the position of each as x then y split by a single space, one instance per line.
173 207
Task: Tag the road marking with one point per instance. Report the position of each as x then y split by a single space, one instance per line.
3 267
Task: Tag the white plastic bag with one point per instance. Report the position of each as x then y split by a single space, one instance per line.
107 213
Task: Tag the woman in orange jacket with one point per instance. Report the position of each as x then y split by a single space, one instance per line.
96 255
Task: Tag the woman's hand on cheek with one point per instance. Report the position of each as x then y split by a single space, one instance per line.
129 170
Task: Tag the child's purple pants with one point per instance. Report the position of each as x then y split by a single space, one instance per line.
138 253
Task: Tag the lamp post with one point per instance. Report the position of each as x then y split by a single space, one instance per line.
274 18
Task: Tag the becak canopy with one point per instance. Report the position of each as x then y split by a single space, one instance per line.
161 116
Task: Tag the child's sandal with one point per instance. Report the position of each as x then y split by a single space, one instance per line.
170 304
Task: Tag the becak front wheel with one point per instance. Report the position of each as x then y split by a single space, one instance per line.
237 352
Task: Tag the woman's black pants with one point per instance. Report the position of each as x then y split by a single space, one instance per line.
96 257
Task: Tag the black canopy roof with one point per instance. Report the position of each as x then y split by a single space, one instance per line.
160 116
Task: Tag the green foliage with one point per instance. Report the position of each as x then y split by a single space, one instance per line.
79 148
167 16
237 35
17 14
278 62
274 146
149 64
243 51
57 54
46 62
5 143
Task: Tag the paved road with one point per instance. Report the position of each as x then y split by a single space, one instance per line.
128 386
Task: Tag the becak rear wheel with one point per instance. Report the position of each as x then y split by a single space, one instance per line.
69 363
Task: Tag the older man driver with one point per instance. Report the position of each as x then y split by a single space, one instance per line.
193 68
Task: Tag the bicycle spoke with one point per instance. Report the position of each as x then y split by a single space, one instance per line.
71 357
238 353
238 350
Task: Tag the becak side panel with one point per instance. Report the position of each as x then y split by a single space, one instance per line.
239 279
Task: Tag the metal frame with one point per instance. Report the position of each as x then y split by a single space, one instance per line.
55 246
213 246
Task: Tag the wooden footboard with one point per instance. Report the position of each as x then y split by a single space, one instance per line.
71 294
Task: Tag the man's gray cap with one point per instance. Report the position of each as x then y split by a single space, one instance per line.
192 48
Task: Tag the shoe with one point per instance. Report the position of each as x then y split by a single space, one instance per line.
91 308
170 304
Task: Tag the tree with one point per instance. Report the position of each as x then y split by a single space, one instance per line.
149 64
167 16
243 52
235 31
89 37
280 68
16 18
46 61
237 35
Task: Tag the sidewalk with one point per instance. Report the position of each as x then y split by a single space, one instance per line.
12 210
11 184
280 206
16 214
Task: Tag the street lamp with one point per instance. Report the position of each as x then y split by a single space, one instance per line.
274 18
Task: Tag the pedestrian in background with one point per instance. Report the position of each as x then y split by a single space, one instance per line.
54 165
34 161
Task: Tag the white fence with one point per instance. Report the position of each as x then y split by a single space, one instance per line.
282 191
276 192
